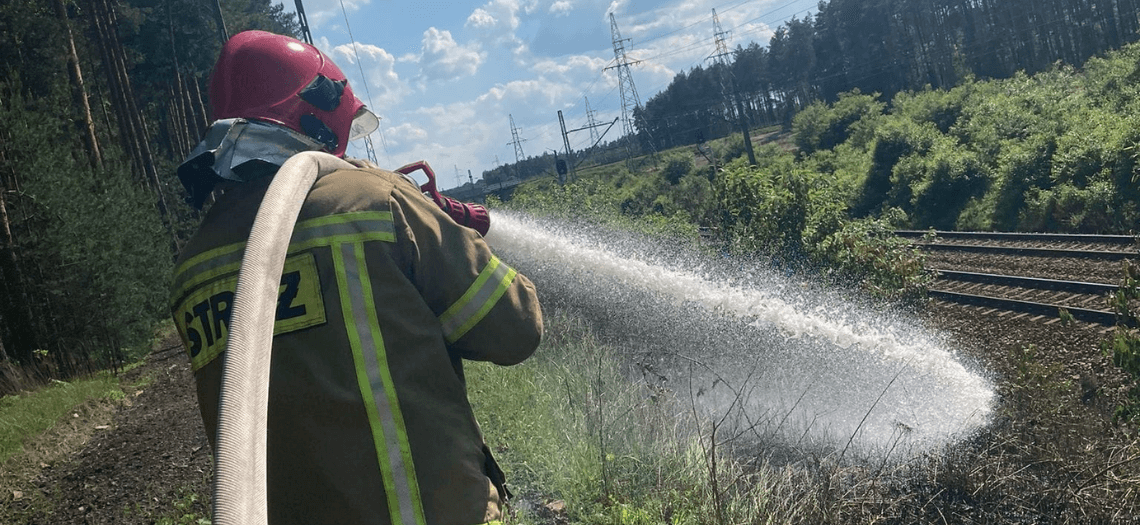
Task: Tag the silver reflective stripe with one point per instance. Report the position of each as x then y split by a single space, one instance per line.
322 231
345 228
455 320
362 323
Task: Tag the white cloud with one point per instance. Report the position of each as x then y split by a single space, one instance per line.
326 14
443 58
615 7
404 134
534 93
561 7
577 67
384 86
497 21
480 19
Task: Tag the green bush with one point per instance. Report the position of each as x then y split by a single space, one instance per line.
764 208
941 108
868 251
939 183
895 139
1021 165
1066 208
731 148
822 127
677 166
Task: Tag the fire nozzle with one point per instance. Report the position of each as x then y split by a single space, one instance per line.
473 216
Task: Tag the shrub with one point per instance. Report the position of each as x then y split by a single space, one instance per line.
895 139
822 127
1066 208
940 183
868 251
763 208
677 166
941 108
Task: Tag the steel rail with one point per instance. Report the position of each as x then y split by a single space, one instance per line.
1039 252
1019 236
1029 282
1029 307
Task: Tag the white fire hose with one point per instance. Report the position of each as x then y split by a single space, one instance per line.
240 465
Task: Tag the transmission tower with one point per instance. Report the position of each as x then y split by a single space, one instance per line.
629 98
516 140
721 58
590 122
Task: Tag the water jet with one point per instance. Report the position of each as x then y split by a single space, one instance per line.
769 354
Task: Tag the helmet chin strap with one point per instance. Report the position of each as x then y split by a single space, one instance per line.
232 143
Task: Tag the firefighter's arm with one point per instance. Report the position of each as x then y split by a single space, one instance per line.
487 310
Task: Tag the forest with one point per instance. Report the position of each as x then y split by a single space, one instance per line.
880 46
99 102
890 103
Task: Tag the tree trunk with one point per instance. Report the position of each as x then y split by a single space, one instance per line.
18 313
79 93
102 38
199 107
136 139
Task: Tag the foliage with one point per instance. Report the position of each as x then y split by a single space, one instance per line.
1124 344
939 183
885 265
917 49
676 167
893 140
95 239
939 107
764 208
822 126
87 263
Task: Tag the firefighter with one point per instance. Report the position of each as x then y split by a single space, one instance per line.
382 296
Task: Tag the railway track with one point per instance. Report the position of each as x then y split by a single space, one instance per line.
1016 274
1105 247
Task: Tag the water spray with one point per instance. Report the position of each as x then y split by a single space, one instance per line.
784 359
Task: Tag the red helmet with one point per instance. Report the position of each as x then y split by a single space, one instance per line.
282 80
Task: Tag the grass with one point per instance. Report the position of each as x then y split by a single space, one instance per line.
28 415
578 438
585 438
41 428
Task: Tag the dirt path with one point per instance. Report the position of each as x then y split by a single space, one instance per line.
152 465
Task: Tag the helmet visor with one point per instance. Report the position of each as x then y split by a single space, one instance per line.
364 123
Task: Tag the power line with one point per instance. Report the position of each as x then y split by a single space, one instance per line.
368 148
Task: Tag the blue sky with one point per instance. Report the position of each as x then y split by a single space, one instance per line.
444 76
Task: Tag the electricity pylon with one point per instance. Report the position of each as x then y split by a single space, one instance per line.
721 57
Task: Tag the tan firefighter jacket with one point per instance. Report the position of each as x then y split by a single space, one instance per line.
381 297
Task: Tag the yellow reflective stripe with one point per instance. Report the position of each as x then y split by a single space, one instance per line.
357 226
479 298
206 266
376 387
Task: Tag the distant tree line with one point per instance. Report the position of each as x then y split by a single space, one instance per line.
99 102
884 47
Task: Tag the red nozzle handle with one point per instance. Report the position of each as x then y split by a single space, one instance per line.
473 216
